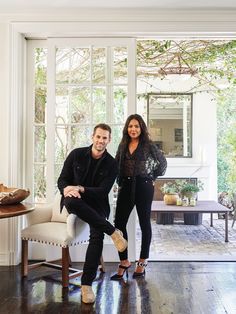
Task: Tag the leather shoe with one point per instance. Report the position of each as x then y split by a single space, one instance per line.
87 294
119 241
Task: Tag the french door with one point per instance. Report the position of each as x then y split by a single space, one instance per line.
74 84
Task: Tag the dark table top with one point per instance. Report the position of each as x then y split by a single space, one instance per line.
7 211
201 207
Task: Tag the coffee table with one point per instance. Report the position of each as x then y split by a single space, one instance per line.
210 207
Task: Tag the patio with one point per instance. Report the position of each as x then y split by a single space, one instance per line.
180 242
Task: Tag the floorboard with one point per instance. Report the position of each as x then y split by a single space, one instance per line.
168 287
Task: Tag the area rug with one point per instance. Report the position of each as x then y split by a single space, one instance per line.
180 242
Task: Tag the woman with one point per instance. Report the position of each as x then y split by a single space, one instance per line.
139 163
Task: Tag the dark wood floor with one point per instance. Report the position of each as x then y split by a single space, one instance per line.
169 287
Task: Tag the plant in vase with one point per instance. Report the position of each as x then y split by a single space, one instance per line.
189 190
170 191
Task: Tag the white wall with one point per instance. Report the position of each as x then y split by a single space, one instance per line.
169 24
4 102
203 163
4 134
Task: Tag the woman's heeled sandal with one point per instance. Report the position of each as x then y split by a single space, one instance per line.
140 274
117 276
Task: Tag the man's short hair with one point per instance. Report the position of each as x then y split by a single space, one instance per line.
102 126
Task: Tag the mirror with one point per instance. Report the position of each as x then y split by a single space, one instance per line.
170 123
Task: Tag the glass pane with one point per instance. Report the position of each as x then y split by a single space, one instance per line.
39 144
40 176
116 136
80 65
120 65
61 143
99 105
120 104
99 65
57 169
40 104
72 65
62 66
40 66
80 136
80 105
62 105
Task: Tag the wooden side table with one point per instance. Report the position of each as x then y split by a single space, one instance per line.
7 211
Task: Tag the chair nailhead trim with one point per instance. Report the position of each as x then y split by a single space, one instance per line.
56 244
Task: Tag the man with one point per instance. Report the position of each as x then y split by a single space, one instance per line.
85 182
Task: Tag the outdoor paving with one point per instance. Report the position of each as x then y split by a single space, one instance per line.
182 242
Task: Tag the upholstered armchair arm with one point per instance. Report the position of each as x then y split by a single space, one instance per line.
70 225
42 213
77 229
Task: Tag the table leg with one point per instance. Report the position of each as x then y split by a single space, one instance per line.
211 219
226 226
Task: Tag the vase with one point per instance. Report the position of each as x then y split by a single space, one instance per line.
189 195
170 199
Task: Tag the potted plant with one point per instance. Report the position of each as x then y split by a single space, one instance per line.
170 191
189 189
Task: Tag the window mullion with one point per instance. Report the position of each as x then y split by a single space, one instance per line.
50 122
131 77
108 84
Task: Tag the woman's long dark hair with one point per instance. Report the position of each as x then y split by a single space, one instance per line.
144 135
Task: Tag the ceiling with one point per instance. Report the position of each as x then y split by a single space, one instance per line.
116 4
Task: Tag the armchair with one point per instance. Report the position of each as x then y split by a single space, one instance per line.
47 225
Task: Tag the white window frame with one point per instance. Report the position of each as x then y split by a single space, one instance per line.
51 45
54 43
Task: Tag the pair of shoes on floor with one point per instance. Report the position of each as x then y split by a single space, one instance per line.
117 276
140 274
87 294
119 241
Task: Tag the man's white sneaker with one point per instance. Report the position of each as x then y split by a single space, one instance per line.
87 294
119 241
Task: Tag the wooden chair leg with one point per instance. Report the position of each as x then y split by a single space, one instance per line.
65 267
24 258
102 265
69 258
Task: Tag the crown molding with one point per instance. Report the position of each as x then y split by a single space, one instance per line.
119 15
135 29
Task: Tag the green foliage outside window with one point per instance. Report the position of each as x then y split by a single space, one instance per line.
226 142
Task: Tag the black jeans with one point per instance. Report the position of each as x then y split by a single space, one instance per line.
98 226
141 196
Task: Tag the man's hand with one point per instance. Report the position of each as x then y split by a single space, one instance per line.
73 191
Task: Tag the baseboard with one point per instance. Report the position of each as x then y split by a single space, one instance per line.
4 259
8 259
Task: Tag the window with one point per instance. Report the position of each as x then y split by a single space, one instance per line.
170 123
75 83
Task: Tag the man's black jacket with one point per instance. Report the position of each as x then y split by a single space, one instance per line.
75 170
